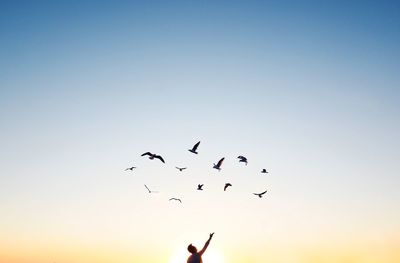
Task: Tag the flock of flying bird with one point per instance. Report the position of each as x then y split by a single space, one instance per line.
217 166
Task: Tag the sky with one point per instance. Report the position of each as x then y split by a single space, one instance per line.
308 90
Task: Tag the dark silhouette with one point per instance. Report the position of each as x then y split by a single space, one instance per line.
152 156
218 165
260 194
176 199
264 171
193 150
130 168
196 256
242 159
200 187
150 190
226 186
180 168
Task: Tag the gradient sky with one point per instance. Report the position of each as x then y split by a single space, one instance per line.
308 90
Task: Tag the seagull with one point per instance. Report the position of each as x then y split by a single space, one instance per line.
150 190
180 168
176 199
226 186
130 168
264 171
242 159
260 194
200 187
193 150
152 156
218 165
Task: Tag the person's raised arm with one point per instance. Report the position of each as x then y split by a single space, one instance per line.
206 244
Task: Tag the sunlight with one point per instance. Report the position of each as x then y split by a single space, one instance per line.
211 256
179 256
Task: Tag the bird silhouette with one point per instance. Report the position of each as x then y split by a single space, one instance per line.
226 186
176 199
130 168
260 194
180 168
200 187
218 165
264 171
242 159
193 150
152 156
150 191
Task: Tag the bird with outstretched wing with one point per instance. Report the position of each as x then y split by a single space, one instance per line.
260 194
194 149
218 165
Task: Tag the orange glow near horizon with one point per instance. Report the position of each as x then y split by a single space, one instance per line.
326 252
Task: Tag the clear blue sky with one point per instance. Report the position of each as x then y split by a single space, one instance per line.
308 90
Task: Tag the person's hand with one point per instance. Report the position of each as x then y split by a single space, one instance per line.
211 235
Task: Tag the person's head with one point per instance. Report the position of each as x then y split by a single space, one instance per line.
192 249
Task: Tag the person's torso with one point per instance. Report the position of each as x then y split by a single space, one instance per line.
195 258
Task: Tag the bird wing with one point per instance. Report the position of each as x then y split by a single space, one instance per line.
159 157
263 192
147 153
147 188
195 146
220 162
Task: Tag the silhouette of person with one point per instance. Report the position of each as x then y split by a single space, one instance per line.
196 256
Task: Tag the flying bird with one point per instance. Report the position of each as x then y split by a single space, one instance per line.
152 156
200 187
150 191
180 168
130 168
193 150
176 199
226 186
260 194
218 165
242 159
264 171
